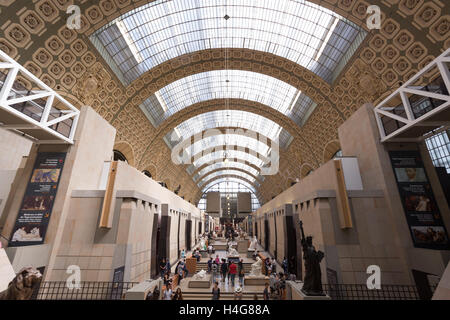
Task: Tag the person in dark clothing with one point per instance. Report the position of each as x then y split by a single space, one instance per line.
210 262
216 291
224 269
241 272
284 265
162 267
266 293
178 295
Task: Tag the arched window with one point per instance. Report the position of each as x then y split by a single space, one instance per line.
147 173
119 156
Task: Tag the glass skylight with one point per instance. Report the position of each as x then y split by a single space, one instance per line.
229 118
224 141
298 30
230 154
224 84
226 165
228 172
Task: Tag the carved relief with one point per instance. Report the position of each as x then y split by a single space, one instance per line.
17 35
88 86
364 78
32 22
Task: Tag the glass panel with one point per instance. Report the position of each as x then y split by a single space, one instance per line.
303 32
229 118
224 84
229 164
230 154
225 172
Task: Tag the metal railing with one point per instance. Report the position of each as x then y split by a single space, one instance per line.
59 290
361 292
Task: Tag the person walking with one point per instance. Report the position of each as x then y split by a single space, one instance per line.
168 292
232 271
285 266
266 293
162 267
214 269
210 262
241 272
224 269
216 291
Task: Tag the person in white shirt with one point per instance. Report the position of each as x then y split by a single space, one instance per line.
168 293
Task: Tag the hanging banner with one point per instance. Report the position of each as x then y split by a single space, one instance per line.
37 204
422 213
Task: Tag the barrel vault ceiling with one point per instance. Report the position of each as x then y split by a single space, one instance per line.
413 32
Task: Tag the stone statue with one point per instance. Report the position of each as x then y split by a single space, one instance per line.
202 244
253 244
232 252
200 275
23 285
256 268
312 283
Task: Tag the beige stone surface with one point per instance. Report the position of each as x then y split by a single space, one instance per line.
6 270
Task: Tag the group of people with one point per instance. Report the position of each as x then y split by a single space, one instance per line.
228 270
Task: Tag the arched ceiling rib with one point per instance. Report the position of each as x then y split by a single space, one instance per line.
236 172
227 84
225 165
305 33
194 171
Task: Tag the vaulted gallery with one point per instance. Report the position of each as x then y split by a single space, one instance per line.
136 131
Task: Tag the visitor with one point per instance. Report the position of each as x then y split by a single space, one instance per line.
180 270
224 269
282 285
217 261
284 265
266 294
168 266
238 293
268 266
183 254
216 291
162 267
167 279
178 295
241 272
155 295
210 262
232 271
168 293
273 268
210 250
272 280
185 269
214 269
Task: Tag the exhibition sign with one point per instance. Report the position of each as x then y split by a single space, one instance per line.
37 204
422 213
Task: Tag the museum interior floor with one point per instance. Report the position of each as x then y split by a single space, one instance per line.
226 289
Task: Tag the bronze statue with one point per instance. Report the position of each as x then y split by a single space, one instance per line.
23 285
312 284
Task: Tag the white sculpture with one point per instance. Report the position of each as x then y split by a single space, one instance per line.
253 244
256 268
202 244
232 252
200 275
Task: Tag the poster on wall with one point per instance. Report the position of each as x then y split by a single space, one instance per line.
422 213
37 204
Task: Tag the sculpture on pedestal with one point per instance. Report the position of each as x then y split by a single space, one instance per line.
312 283
256 268
253 244
232 252
200 275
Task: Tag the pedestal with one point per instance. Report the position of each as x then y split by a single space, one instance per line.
242 246
200 283
235 259
250 253
295 292
256 281
204 253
